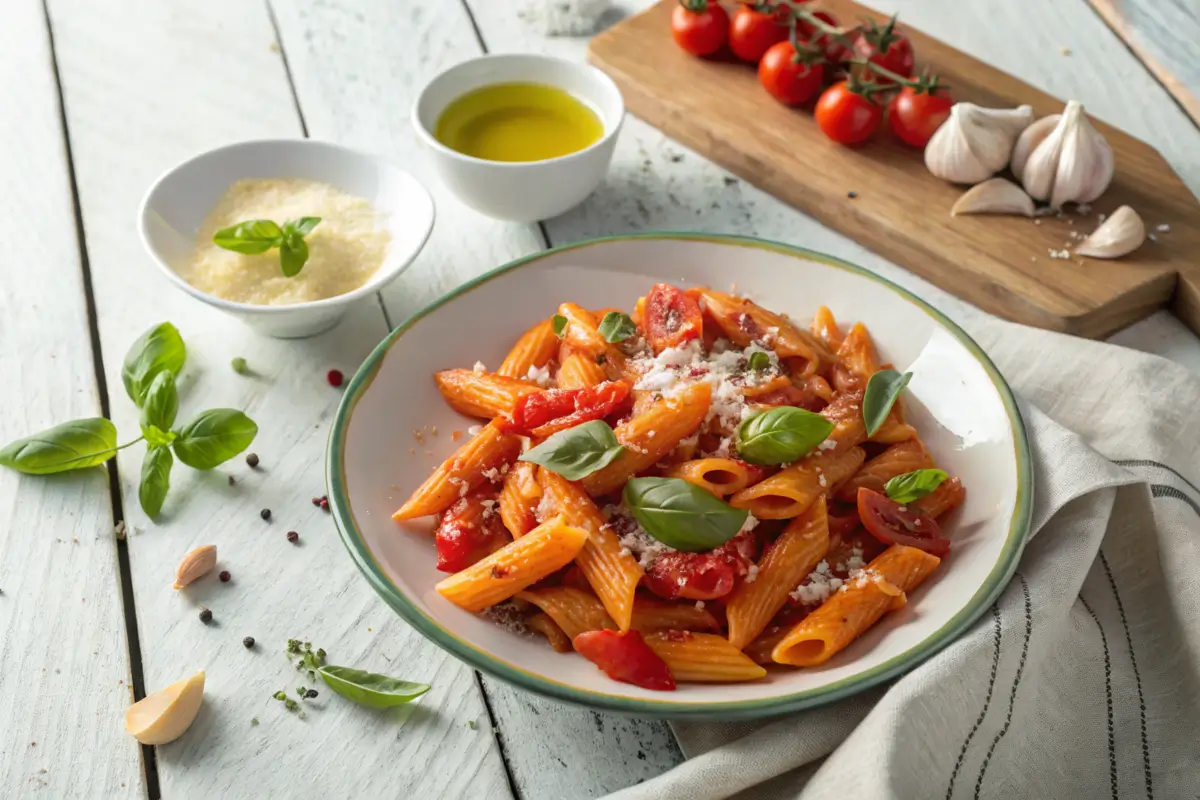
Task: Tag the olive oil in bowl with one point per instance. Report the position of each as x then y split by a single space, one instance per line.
518 122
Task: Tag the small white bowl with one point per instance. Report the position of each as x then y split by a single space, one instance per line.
521 191
177 203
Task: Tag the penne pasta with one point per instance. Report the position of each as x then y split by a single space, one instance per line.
575 611
941 500
845 412
896 460
744 321
521 563
650 614
481 394
720 476
533 350
857 357
519 498
579 370
609 568
582 332
703 658
786 563
855 607
458 475
650 435
544 625
790 491
826 329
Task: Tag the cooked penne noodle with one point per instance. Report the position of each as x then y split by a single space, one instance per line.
534 349
610 569
573 610
826 329
857 356
520 563
720 476
481 394
684 451
744 321
703 658
845 412
651 614
652 434
894 429
786 563
766 387
543 624
790 491
519 498
855 607
941 500
462 472
896 460
579 370
582 332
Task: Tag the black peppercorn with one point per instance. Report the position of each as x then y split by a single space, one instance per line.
248 642
310 694
293 537
252 460
205 616
265 513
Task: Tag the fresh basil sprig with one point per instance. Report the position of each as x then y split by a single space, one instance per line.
577 452
370 688
213 437
912 486
682 515
260 235
758 361
559 323
616 327
156 479
882 390
77 444
781 435
160 407
159 349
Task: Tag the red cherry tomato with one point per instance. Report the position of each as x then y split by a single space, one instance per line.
700 27
846 116
914 116
544 413
625 657
702 576
888 49
672 317
833 50
787 79
754 29
469 531
892 523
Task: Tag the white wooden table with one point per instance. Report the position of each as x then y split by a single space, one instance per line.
97 97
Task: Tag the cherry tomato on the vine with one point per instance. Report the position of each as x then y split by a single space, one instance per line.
788 79
754 29
914 116
700 27
833 50
846 116
890 50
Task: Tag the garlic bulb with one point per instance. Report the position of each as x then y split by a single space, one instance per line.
1072 163
994 196
1030 138
1119 235
974 143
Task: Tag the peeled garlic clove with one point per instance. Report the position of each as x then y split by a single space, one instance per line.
164 716
1073 163
974 143
1030 138
995 196
196 564
1119 235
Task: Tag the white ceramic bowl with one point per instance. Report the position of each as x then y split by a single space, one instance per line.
177 203
965 412
521 191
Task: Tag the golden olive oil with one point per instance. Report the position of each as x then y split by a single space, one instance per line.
518 122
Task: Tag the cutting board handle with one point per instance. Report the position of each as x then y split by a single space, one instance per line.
1186 303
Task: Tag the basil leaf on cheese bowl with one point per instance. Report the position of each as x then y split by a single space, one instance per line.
577 452
781 435
681 515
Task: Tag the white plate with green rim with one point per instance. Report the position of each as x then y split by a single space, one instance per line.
957 399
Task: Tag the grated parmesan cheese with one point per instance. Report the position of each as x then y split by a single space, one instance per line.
817 586
539 375
479 368
828 444
641 545
474 430
752 573
345 249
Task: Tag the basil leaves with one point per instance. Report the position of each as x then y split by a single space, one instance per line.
577 452
559 323
616 327
758 361
369 688
682 515
781 435
912 486
148 373
260 235
882 390
77 444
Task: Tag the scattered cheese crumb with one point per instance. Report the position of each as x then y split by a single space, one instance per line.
1165 228
699 605
539 375
1152 237
1060 254
475 430
817 586
821 479
752 573
479 368
828 444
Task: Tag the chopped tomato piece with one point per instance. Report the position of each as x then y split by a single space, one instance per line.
625 657
702 576
792 396
672 317
892 523
468 531
548 412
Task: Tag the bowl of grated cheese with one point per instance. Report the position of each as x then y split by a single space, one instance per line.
374 218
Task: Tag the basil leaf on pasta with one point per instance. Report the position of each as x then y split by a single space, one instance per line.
882 390
577 452
682 515
616 327
758 361
781 435
560 325
914 485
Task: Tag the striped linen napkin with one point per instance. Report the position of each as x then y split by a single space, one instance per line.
1083 680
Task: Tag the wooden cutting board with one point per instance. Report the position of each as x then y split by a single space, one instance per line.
899 209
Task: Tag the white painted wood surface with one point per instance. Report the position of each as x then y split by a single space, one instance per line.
66 678
149 83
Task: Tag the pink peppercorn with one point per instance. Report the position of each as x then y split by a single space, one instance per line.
224 576
334 377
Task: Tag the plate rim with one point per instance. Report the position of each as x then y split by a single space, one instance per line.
478 658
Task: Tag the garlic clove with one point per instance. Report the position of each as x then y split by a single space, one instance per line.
1072 163
995 196
1117 236
164 716
974 143
1029 139
195 565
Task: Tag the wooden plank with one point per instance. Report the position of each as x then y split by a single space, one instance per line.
66 678
993 262
146 85
1163 33
356 85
